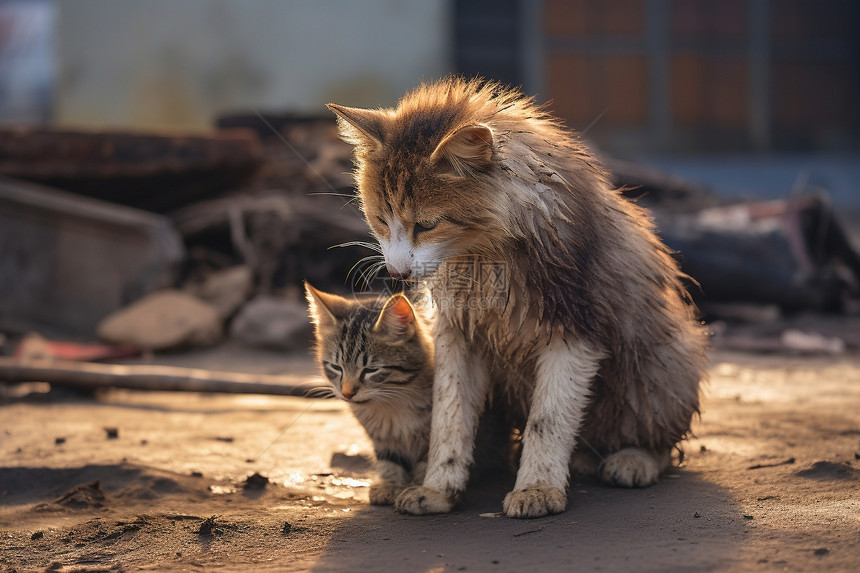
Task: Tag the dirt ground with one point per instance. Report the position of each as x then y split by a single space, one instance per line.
128 481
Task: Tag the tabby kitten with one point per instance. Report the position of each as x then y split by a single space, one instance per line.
378 356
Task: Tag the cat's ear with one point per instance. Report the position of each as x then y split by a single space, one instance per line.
397 319
322 307
359 126
465 149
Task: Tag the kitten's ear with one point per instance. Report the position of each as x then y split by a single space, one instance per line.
359 126
397 318
321 306
465 149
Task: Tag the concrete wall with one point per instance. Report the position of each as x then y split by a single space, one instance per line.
169 63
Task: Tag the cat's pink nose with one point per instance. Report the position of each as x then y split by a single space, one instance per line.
348 389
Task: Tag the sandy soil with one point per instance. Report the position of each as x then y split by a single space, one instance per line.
771 482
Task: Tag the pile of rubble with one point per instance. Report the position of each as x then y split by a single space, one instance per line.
155 242
163 241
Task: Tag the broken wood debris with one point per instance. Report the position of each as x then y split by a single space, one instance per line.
152 378
789 461
154 171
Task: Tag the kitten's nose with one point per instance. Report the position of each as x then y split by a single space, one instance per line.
401 275
348 390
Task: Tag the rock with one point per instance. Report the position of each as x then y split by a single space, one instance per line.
811 342
226 289
163 320
275 323
356 463
66 261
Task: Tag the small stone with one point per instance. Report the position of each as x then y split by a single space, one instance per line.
270 322
821 552
697 515
226 290
208 526
356 463
112 433
163 320
255 481
37 535
59 441
285 530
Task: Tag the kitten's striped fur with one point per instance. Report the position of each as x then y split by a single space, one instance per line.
378 356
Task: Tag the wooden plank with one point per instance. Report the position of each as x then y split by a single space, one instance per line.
153 171
92 376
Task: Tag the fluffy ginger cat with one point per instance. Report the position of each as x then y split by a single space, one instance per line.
551 289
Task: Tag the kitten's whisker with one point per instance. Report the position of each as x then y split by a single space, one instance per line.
320 392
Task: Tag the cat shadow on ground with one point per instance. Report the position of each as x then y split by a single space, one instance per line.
682 523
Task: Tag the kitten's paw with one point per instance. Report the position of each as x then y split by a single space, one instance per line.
630 467
420 500
536 501
384 492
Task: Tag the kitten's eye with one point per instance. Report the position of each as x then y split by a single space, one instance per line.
368 372
422 227
334 367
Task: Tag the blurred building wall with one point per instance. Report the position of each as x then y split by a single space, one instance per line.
162 63
705 75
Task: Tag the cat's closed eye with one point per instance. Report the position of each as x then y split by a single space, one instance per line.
368 372
426 226
333 371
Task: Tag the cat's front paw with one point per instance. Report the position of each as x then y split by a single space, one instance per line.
384 492
536 501
630 467
420 500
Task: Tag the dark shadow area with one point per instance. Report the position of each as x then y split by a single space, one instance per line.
682 524
56 489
